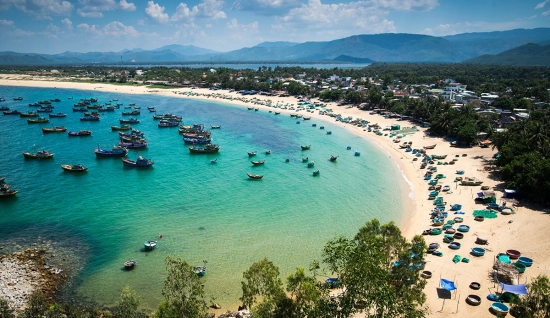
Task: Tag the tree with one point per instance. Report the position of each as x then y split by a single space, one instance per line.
262 280
36 306
5 310
536 304
128 304
379 272
306 292
183 292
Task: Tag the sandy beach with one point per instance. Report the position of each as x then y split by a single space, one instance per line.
524 231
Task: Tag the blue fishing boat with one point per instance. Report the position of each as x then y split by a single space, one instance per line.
57 115
116 151
140 162
90 118
478 251
12 112
129 121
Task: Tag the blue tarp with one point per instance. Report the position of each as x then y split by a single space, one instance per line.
514 289
447 284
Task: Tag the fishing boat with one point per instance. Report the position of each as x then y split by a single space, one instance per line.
268 152
316 172
200 270
140 162
357 154
81 132
39 120
168 123
45 110
333 158
429 147
57 115
208 148
121 127
130 264
74 168
90 118
150 245
35 105
252 153
306 147
277 113
311 164
134 144
305 159
329 132
40 154
151 109
116 151
55 100
214 160
215 127
499 309
6 190
130 113
28 114
470 181
54 129
254 176
129 121
12 112
79 109
256 163
18 98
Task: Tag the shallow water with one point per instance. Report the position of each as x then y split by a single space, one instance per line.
203 211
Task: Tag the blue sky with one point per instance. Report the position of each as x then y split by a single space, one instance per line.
56 26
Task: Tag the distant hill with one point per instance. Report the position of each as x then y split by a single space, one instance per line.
276 44
389 47
526 55
351 59
187 50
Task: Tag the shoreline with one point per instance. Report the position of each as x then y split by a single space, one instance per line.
504 232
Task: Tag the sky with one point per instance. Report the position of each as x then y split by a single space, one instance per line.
56 26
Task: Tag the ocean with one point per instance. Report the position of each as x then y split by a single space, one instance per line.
203 211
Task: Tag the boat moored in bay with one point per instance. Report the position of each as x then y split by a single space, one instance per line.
116 151
208 148
74 168
140 162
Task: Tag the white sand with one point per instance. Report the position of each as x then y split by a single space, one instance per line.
524 231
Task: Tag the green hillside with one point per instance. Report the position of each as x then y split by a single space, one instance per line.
526 55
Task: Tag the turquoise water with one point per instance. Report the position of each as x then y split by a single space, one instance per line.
203 211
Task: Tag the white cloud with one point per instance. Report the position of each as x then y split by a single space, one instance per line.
94 8
126 6
466 27
113 29
8 29
205 9
268 7
156 12
247 28
405 5
542 4
40 9
67 23
546 13
7 23
325 19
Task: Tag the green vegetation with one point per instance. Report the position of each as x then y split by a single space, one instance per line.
528 54
379 271
524 156
536 304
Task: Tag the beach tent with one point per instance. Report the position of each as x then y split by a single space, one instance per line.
514 289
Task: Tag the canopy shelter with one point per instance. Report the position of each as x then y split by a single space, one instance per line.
514 289
444 291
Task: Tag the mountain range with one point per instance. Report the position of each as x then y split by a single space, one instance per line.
517 47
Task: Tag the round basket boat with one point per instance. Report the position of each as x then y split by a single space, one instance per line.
454 245
506 211
478 251
473 300
520 266
526 261
450 230
436 231
433 246
463 228
513 254
475 285
458 236
427 232
458 219
484 187
481 240
427 274
499 309
479 218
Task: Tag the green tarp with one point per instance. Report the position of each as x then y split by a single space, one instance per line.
488 214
